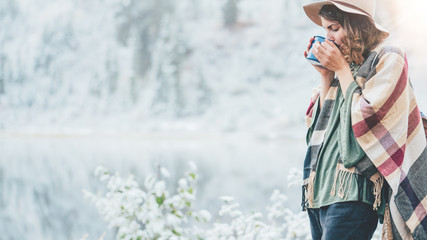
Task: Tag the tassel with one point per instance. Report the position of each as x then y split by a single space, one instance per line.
349 184
344 184
378 185
387 233
342 178
310 187
333 190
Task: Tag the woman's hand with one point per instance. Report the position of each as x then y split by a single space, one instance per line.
330 56
327 76
325 73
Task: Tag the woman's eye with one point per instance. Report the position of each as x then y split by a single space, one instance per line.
335 29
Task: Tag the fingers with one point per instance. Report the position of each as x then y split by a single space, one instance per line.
327 49
325 54
310 44
321 47
308 47
319 51
329 45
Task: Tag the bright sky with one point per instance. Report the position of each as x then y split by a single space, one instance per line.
411 16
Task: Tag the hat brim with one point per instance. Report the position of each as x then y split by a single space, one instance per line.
312 11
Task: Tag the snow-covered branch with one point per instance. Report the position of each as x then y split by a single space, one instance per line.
152 212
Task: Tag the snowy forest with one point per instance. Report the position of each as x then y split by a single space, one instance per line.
141 86
128 65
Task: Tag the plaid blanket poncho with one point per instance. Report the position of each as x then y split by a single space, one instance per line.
387 125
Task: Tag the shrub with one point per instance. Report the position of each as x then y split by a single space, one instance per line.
152 213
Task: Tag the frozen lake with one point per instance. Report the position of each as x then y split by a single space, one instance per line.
42 177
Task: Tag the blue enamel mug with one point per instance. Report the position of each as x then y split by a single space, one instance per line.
424 120
310 56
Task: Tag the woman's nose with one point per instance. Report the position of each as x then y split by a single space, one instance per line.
330 36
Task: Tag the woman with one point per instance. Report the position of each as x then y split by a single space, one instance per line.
367 157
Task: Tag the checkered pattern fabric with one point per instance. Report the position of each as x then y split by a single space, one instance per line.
387 125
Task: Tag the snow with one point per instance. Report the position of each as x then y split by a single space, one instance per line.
144 86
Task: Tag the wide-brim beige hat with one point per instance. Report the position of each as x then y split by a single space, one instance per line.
362 7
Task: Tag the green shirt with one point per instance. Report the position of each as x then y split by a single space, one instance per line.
340 143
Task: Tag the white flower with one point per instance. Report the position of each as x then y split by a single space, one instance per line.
100 170
156 214
183 183
205 215
159 188
164 172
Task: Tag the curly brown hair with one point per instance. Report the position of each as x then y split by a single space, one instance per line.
361 34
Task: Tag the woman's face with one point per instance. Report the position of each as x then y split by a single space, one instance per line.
334 31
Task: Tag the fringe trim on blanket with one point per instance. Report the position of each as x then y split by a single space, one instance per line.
333 190
342 178
378 181
310 188
387 233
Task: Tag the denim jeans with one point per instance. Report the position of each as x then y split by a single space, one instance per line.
342 221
